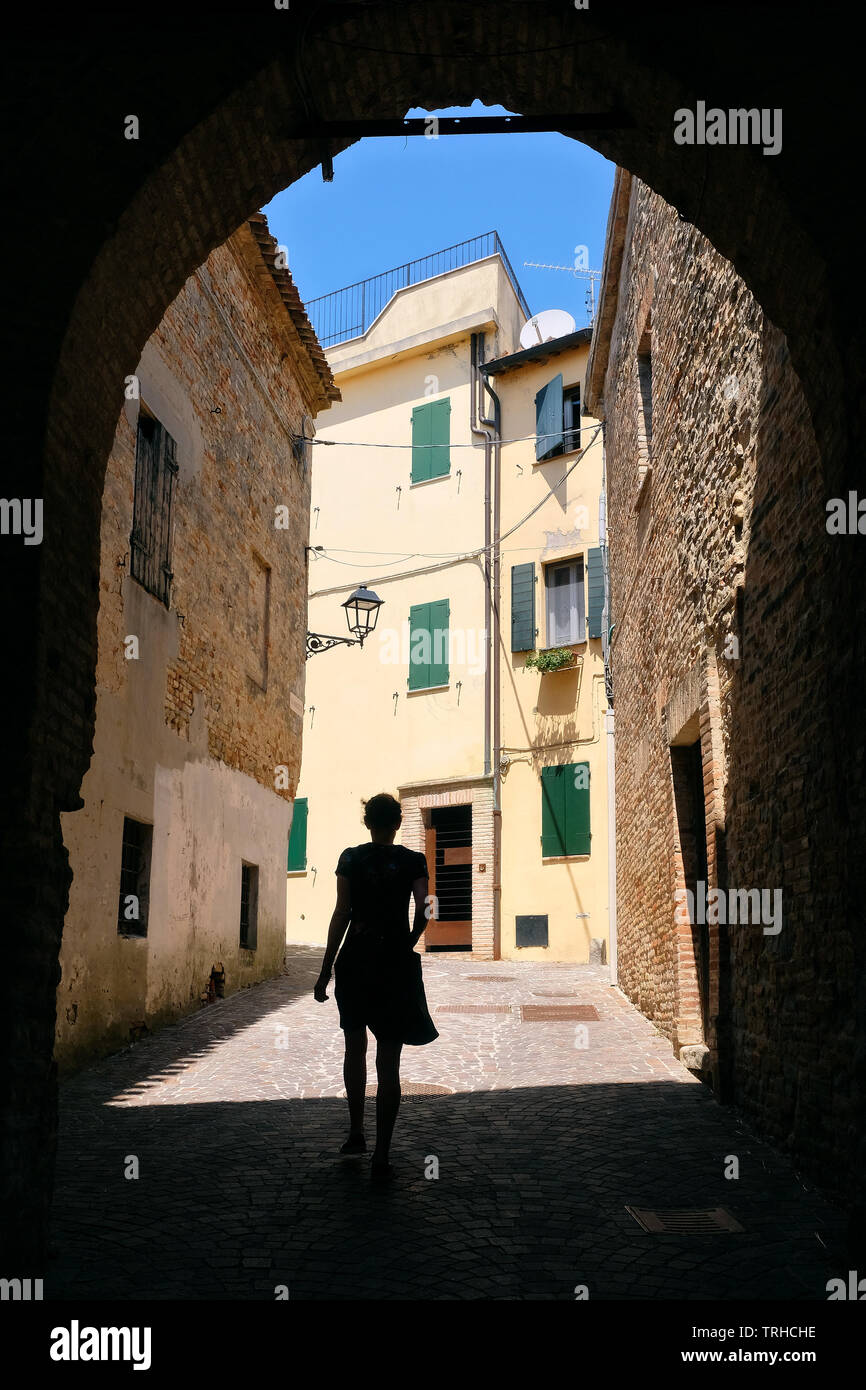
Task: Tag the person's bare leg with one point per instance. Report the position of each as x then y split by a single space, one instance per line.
387 1098
355 1077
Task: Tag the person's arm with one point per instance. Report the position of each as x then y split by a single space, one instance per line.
419 893
336 931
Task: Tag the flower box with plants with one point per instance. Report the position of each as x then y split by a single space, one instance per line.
551 659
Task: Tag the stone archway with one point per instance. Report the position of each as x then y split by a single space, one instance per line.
110 229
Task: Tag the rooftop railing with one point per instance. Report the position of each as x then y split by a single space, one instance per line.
347 313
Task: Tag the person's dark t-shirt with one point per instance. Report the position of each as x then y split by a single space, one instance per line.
380 879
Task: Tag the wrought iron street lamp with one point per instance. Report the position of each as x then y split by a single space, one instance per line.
362 610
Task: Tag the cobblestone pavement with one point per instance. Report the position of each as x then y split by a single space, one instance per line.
235 1118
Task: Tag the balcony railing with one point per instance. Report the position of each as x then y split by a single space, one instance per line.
348 313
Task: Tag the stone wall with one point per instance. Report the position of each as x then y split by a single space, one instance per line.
726 638
191 730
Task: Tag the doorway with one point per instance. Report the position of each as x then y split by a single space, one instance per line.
449 859
688 783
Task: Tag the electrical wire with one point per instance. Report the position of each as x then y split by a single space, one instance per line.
367 444
469 554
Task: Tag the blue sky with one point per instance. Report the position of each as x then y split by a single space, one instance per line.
393 200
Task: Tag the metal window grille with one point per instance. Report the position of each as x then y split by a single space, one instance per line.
347 313
249 905
134 858
150 539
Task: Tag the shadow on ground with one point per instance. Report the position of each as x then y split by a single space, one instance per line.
234 1199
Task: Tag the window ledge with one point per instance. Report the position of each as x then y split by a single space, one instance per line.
425 689
564 858
423 482
296 873
554 458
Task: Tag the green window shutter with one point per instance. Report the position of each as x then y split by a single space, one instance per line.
428 644
565 821
422 436
553 781
548 418
439 620
523 607
298 836
431 440
594 591
440 438
577 830
419 646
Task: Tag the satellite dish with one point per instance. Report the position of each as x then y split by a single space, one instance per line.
543 327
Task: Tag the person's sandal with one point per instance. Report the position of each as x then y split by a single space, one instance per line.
355 1144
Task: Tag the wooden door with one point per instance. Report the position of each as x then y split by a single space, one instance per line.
448 843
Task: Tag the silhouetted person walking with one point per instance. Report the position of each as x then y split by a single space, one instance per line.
377 975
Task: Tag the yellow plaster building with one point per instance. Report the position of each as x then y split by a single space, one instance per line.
459 481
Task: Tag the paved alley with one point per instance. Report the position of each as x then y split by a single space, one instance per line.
544 1131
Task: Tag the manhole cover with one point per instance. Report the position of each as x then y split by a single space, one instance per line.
685 1222
553 993
491 979
412 1088
557 1013
473 1009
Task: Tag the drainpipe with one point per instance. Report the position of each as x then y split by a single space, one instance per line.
477 430
497 684
488 429
607 628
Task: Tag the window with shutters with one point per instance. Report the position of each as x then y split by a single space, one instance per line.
135 856
594 591
297 861
150 538
564 585
565 811
428 644
431 440
249 905
557 419
523 607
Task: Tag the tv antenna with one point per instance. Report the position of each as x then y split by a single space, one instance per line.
591 275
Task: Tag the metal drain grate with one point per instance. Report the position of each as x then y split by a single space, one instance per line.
558 1013
491 979
684 1221
553 993
473 1009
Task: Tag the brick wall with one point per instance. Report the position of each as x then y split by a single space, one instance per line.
718 548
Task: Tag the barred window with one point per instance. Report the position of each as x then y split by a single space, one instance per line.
150 539
134 878
249 905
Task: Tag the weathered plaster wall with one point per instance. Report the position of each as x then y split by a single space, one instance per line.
188 736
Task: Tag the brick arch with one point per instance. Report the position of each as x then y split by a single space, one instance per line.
117 227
